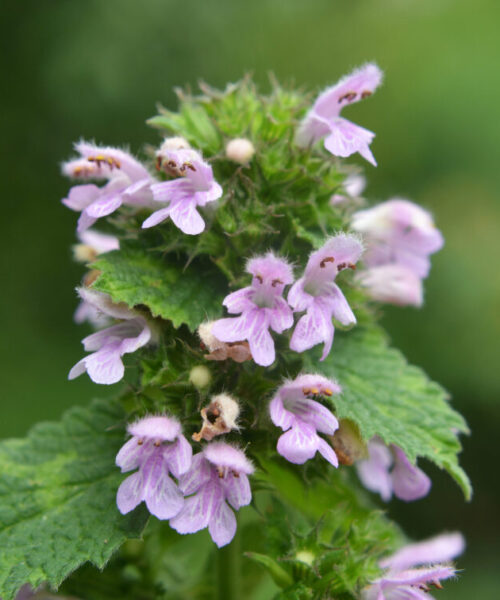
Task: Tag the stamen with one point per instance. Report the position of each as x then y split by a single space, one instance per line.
259 278
365 94
350 96
157 443
346 265
436 584
276 281
235 474
330 259
158 163
140 442
314 391
306 391
328 392
100 158
220 471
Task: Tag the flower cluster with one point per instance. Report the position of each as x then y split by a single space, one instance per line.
203 485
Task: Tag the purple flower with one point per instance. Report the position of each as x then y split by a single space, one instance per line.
342 137
92 243
261 305
108 346
353 185
157 448
128 182
218 478
398 232
402 581
196 187
393 284
388 470
320 297
302 418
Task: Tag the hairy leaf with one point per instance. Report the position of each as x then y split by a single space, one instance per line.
58 490
169 290
388 397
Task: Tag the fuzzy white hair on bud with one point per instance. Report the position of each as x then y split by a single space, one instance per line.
200 376
240 150
219 417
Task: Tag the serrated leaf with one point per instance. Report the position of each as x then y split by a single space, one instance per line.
388 397
134 276
58 491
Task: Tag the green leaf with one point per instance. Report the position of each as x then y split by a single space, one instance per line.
388 397
279 575
58 491
183 296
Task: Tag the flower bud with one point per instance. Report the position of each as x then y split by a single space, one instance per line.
348 444
240 150
200 376
219 417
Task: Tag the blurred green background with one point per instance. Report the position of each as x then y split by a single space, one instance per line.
96 69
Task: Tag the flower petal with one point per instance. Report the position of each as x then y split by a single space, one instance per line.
80 196
157 217
104 206
178 456
327 452
280 316
237 489
313 328
198 509
298 444
186 217
346 138
199 473
163 498
441 548
222 525
408 481
129 493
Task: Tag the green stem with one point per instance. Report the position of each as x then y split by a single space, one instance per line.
228 571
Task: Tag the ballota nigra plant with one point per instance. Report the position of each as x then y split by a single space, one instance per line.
233 285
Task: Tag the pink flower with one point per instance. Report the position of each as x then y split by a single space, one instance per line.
196 187
218 479
402 581
157 448
388 470
92 243
128 182
353 185
302 418
398 232
393 284
320 297
342 137
262 307
108 346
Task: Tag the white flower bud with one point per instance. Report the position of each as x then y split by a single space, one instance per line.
219 417
200 376
83 253
172 143
240 150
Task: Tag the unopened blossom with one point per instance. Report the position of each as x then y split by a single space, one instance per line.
262 307
128 182
341 137
92 243
413 570
104 364
392 284
195 187
237 351
240 150
317 293
302 418
156 449
353 185
398 232
216 481
219 417
387 470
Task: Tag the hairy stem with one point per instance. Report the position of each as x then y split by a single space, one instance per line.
228 571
